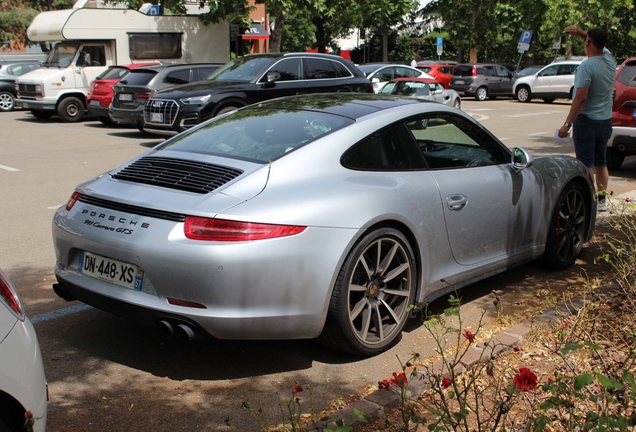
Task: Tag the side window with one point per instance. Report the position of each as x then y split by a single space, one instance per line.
435 87
551 71
92 56
385 74
567 69
289 70
446 70
178 77
319 69
341 70
489 70
448 141
199 74
502 72
402 72
382 151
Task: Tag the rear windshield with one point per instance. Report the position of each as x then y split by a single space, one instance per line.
463 70
627 75
258 135
139 77
113 73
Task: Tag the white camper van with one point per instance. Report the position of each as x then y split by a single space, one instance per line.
90 40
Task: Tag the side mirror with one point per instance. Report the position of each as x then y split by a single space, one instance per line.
375 80
273 76
521 159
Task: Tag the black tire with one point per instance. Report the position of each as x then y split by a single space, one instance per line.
614 158
492 97
7 101
4 427
548 100
71 110
523 94
226 109
106 121
41 115
369 307
481 94
568 228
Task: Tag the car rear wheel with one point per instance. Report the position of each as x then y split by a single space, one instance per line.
41 115
568 228
614 158
106 121
370 301
548 100
482 94
71 110
523 94
7 101
226 109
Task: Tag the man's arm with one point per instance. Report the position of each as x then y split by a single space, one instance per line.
575 109
575 31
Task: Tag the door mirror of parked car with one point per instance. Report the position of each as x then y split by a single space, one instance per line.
521 159
271 79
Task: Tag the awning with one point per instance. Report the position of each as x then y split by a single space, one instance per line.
256 31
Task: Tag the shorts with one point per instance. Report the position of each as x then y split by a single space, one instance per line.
590 140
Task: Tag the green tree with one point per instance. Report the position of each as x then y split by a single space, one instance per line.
381 15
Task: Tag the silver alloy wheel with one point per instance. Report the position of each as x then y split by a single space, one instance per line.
523 94
482 94
6 101
379 291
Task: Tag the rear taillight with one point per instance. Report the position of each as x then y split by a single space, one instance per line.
9 296
199 228
142 98
475 71
71 202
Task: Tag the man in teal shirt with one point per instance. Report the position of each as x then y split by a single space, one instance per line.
591 110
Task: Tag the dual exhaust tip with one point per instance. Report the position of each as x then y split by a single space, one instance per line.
182 329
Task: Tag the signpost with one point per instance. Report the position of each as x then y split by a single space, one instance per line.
440 47
524 44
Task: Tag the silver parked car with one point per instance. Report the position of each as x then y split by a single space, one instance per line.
423 88
323 215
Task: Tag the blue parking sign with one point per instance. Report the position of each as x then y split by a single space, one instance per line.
440 41
526 37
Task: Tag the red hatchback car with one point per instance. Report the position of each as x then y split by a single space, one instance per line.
100 93
441 72
623 140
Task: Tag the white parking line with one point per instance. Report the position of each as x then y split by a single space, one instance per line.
478 117
9 168
54 126
534 114
482 109
55 208
506 138
538 133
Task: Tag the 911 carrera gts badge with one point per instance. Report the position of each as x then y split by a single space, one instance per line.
129 223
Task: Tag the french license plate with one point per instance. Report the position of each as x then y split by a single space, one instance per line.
125 97
94 103
460 82
110 270
156 117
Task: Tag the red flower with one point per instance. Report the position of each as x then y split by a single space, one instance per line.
525 380
446 382
517 349
469 335
297 388
399 380
567 323
628 200
384 384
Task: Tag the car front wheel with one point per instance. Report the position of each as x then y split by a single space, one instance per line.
370 301
7 101
71 110
523 94
482 94
568 228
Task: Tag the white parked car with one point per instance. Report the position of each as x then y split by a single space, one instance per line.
380 73
555 80
23 385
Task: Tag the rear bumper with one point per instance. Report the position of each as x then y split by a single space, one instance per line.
623 139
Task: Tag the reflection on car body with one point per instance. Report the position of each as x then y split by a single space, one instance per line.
317 216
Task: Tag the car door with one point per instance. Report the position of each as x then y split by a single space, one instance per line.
290 81
437 91
505 80
90 62
545 79
325 76
564 80
491 211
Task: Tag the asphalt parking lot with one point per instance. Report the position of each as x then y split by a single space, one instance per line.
106 373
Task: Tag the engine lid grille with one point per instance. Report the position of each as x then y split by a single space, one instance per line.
180 174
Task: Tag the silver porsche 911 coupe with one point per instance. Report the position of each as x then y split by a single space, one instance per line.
315 216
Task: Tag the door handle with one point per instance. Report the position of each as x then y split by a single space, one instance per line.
456 202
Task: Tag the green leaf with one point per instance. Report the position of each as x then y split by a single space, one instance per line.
540 423
571 347
592 345
511 389
452 311
361 416
609 383
582 380
546 406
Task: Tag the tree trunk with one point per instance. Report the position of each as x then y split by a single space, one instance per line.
473 54
276 36
385 44
321 43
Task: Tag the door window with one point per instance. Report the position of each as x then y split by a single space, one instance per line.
178 77
503 72
319 69
93 55
383 151
549 71
567 69
488 70
289 70
385 74
448 142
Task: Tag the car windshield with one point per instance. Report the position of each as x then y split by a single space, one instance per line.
529 71
410 88
368 69
241 69
61 55
257 134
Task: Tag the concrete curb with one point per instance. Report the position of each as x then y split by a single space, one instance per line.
380 401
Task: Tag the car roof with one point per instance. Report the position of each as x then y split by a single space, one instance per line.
161 67
417 79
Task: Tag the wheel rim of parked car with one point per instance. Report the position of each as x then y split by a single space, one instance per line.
522 94
571 224
6 101
482 93
380 291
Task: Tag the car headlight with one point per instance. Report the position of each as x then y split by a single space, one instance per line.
195 100
38 88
